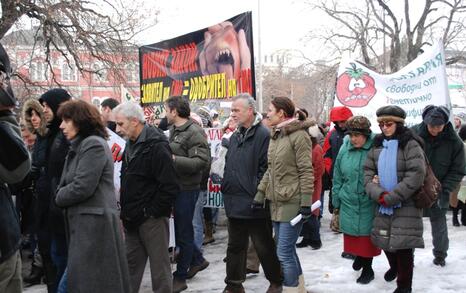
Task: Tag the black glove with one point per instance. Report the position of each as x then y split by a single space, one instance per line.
306 212
257 206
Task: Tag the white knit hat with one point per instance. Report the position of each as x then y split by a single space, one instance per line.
314 131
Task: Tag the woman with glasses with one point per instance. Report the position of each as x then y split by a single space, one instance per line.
394 170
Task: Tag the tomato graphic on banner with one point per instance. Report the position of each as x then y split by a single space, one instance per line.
355 87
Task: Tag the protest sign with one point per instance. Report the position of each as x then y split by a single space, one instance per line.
117 147
205 66
420 83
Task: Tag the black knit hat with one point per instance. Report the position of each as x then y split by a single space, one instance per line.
391 113
54 98
358 124
435 115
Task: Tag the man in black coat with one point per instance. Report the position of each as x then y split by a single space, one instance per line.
14 166
52 237
445 152
148 189
245 164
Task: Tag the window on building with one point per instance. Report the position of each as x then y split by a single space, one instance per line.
37 71
132 73
100 74
68 72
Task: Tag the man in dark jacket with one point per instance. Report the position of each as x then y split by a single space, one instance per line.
190 156
148 190
57 149
14 166
445 152
245 164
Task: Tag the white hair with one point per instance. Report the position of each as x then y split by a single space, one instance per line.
250 102
130 110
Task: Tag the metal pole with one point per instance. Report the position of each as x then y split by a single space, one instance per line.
259 71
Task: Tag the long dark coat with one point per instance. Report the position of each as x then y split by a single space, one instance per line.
96 257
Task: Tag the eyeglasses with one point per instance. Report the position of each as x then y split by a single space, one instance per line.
386 124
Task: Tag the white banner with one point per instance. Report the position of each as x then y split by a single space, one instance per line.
117 146
422 82
214 195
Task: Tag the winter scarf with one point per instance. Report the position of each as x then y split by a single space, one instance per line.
387 168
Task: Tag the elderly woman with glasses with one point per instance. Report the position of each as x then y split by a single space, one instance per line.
394 170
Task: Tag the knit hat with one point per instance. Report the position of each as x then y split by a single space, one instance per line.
358 124
391 113
340 113
54 98
314 131
435 115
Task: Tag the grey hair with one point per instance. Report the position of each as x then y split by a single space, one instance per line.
130 110
251 102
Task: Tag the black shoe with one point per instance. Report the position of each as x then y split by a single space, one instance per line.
196 269
402 290
455 222
439 261
347 255
303 243
179 285
357 264
366 277
390 275
315 244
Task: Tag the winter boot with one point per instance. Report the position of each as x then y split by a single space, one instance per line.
367 274
303 243
274 288
290 290
463 214
315 244
455 217
402 290
357 264
301 285
208 235
390 275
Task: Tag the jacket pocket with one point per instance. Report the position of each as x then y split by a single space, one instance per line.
285 192
91 211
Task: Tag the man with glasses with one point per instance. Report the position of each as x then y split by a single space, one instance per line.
445 152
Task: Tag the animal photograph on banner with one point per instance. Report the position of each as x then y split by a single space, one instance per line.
206 66
420 83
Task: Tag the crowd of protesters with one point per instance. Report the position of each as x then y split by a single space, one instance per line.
272 167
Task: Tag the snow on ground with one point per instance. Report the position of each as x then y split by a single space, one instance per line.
325 270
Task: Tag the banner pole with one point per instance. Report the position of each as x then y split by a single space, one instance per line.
259 72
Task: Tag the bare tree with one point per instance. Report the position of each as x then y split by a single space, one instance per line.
366 30
77 29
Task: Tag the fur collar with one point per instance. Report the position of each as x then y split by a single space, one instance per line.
33 104
292 125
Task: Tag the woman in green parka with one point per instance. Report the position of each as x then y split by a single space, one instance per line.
349 196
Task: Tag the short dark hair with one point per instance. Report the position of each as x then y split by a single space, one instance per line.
110 102
285 104
180 104
86 118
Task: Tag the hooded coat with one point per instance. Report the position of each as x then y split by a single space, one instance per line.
445 153
288 182
39 160
57 149
403 229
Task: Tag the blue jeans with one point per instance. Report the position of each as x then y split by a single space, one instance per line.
190 255
198 224
286 237
62 286
59 253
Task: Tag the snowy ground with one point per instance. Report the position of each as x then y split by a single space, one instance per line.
325 270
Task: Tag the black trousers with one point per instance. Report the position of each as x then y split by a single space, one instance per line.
260 231
403 262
